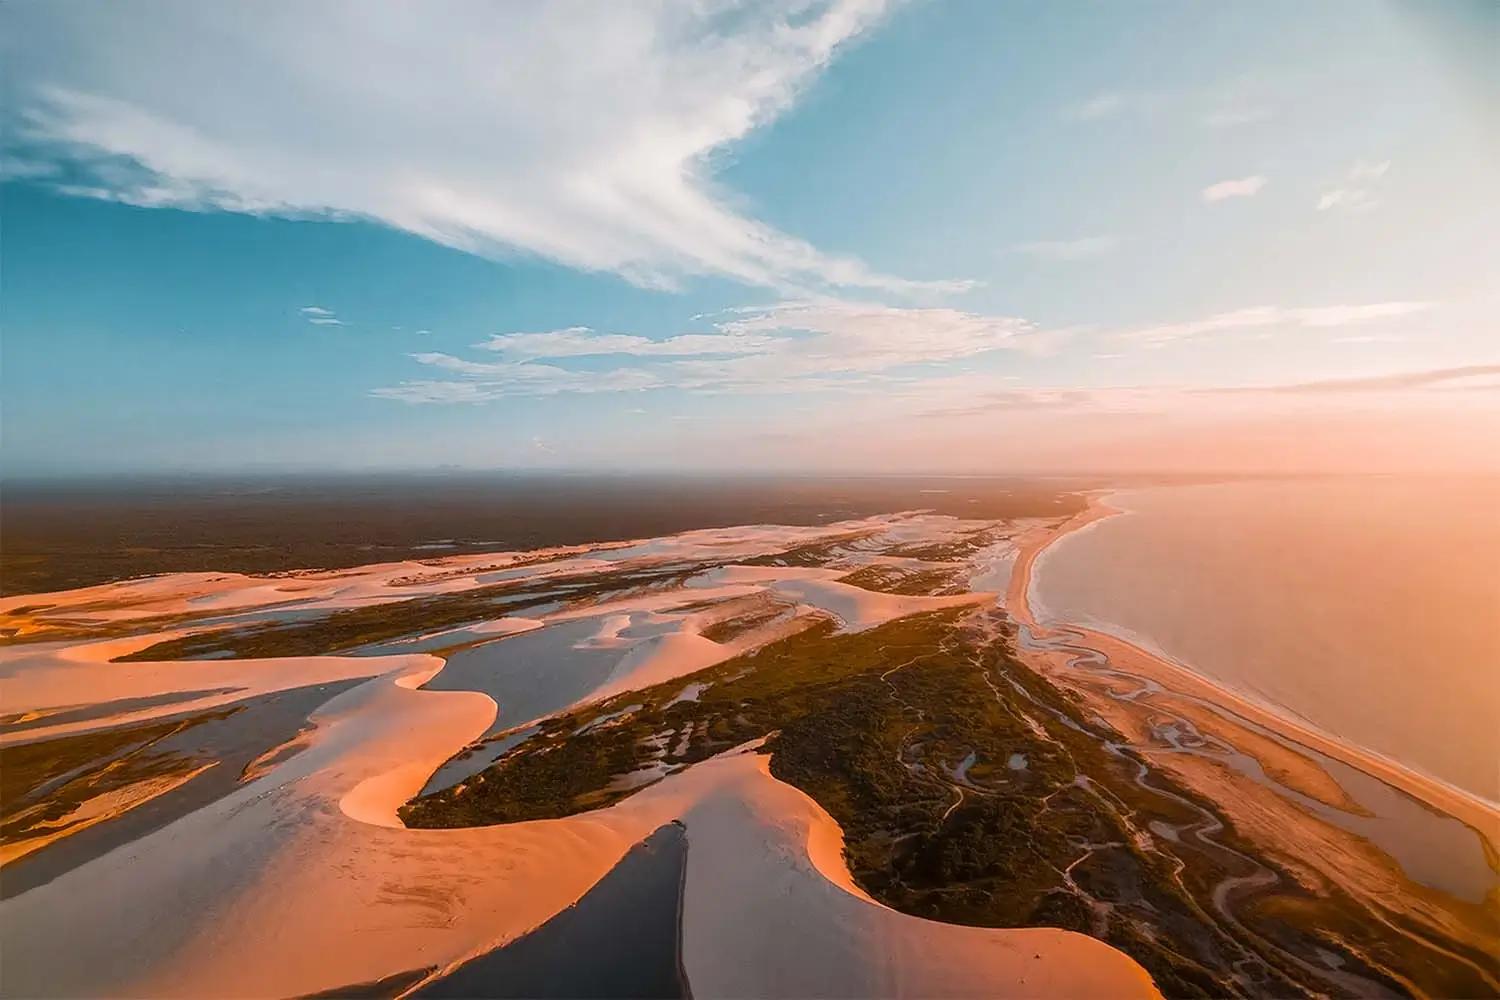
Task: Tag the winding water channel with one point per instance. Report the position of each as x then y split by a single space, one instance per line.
1178 734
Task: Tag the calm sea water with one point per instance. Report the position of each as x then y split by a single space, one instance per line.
1370 608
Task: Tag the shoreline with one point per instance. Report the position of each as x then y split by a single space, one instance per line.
1467 807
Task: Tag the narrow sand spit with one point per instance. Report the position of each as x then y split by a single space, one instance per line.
496 628
49 678
1471 810
304 880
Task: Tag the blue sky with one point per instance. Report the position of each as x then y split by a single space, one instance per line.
808 235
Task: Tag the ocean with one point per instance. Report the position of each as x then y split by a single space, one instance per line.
1367 607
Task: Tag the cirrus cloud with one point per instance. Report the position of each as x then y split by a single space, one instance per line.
580 132
318 316
1360 189
1257 317
795 346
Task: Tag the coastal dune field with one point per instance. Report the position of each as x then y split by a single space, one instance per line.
749 500
842 759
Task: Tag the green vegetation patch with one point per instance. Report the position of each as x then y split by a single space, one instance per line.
969 789
903 735
352 628
938 581
753 615
44 781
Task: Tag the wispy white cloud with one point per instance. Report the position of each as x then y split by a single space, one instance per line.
482 382
1347 315
581 132
1359 191
1123 103
801 346
318 316
1258 317
436 391
989 398
1362 171
1224 105
1482 378
580 341
1082 248
845 339
1240 187
1348 199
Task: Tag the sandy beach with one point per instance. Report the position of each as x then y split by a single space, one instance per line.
1483 816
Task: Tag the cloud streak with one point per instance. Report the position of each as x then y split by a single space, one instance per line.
1241 187
579 132
318 316
1359 190
1435 384
1484 378
797 346
1260 317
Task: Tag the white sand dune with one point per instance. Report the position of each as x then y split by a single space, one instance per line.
676 646
662 658
50 678
303 880
224 593
771 911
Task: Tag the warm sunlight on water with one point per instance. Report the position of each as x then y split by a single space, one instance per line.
1370 607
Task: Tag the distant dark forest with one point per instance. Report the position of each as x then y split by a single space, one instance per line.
56 536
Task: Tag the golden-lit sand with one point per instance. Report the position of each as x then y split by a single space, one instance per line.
303 878
771 910
46 679
855 608
178 594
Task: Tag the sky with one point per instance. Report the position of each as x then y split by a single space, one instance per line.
802 235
